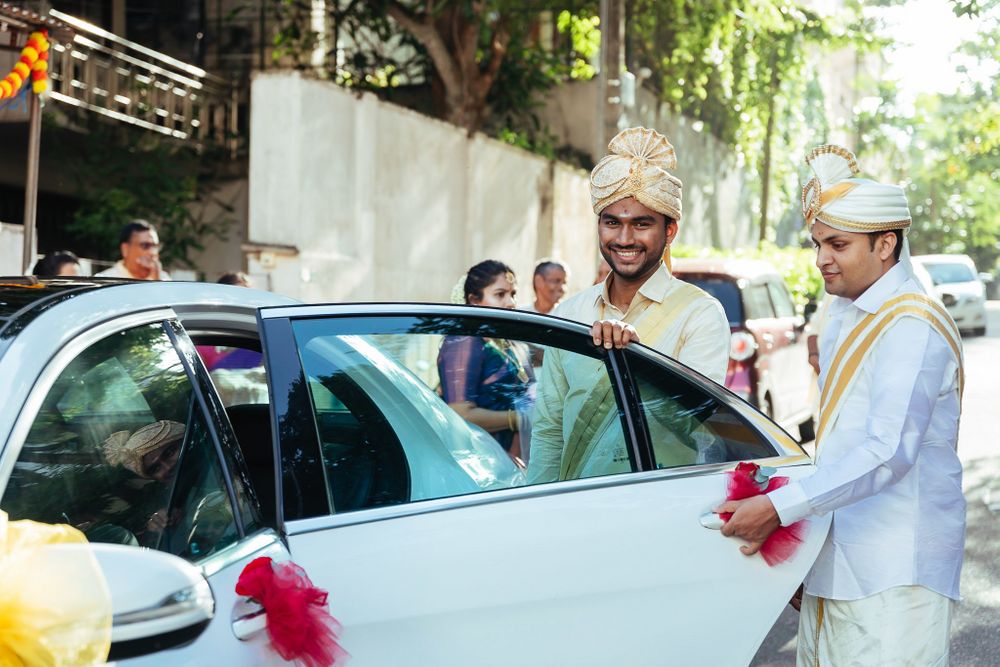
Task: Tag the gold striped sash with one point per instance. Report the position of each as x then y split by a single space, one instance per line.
859 343
599 400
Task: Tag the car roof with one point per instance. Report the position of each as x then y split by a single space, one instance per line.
66 305
944 259
729 266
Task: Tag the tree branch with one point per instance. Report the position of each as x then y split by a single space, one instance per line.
425 33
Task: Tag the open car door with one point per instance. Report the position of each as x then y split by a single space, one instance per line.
438 549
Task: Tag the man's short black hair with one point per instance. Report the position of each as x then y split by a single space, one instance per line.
874 236
134 227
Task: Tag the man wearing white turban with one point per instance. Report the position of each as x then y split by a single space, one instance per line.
638 204
881 590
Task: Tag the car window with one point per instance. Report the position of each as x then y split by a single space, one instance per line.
728 294
412 408
948 272
121 450
687 425
237 373
757 302
782 303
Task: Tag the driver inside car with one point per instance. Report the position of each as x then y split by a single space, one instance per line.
152 452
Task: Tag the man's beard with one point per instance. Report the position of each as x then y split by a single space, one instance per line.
652 261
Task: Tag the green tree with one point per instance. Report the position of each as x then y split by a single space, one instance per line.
124 173
486 60
947 153
743 69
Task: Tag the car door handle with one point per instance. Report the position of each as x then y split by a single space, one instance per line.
247 626
712 521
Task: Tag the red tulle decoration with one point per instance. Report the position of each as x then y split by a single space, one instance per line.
298 623
783 542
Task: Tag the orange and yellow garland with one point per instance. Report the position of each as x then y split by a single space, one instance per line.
34 61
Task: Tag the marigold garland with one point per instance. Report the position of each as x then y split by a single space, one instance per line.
32 64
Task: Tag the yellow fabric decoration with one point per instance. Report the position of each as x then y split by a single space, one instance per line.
55 608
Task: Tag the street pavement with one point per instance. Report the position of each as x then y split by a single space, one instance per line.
975 629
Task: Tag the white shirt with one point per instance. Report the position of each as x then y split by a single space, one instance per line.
120 271
701 333
888 469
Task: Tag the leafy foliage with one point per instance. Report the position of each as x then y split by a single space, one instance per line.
486 61
947 154
125 173
796 265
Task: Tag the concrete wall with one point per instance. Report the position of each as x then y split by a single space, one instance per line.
11 249
353 199
717 196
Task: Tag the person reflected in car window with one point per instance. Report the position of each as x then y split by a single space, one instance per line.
152 453
489 381
212 527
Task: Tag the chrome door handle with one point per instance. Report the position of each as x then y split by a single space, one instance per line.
247 626
712 521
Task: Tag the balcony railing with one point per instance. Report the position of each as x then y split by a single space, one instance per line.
101 72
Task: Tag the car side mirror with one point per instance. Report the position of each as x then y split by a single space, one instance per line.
158 601
986 277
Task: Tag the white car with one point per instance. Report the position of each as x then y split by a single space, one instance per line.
960 289
314 433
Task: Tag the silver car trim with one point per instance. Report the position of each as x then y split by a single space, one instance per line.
486 497
238 551
54 367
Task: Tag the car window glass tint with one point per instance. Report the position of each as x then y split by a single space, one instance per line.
728 294
779 298
121 450
436 412
757 301
687 424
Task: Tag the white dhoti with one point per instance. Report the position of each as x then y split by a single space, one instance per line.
905 626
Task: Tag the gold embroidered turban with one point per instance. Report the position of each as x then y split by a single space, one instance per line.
127 450
835 198
637 167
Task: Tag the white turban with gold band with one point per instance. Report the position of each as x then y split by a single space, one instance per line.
837 199
637 167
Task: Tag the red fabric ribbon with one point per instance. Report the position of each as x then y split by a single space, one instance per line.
298 623
742 484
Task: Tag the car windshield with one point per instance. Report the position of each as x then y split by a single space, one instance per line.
949 272
726 292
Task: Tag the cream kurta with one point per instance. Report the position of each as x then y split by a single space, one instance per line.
568 442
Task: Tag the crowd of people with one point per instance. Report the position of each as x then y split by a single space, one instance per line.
883 586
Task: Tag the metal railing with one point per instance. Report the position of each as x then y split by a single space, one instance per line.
104 73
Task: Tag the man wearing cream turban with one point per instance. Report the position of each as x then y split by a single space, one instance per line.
882 589
638 206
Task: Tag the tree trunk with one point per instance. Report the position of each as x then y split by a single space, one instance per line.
452 42
765 169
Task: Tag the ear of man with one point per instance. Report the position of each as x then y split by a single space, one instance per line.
892 239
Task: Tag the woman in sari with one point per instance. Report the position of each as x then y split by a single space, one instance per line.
489 381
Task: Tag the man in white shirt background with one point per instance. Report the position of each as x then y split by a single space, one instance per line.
882 589
140 249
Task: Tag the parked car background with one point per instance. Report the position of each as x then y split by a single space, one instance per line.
960 288
768 359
